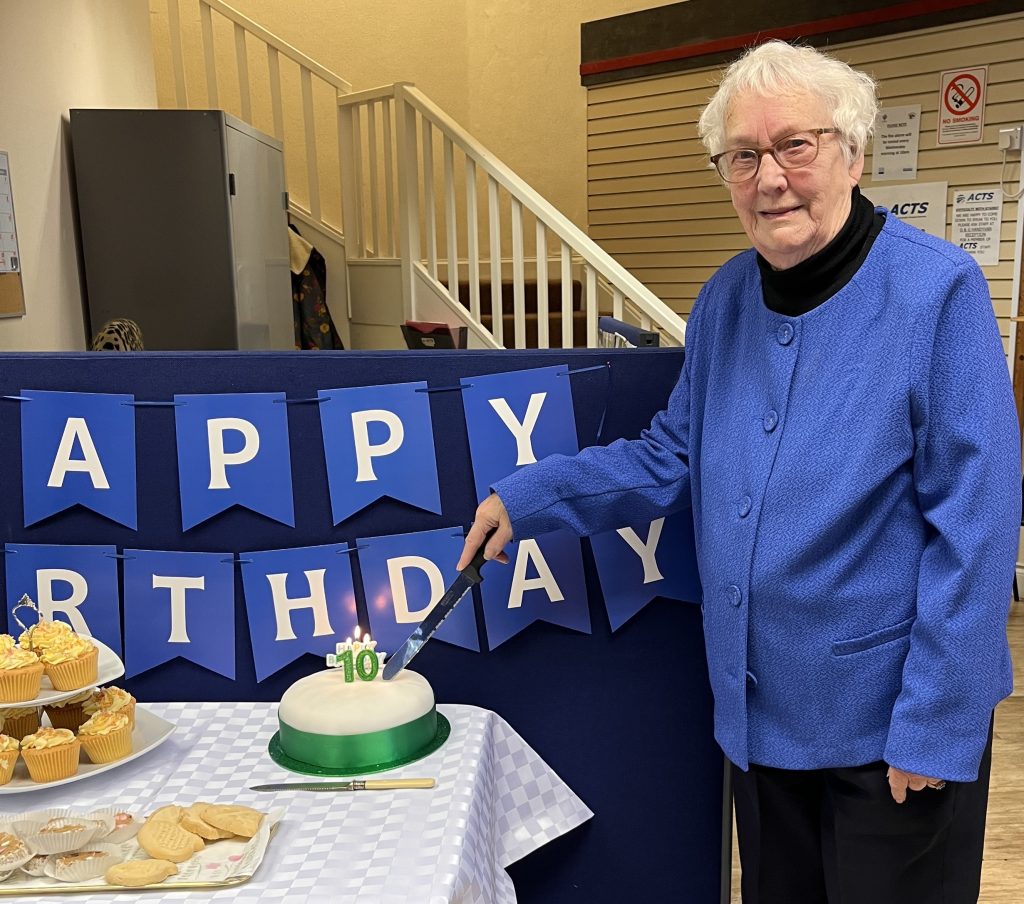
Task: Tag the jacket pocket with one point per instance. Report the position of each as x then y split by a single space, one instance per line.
874 639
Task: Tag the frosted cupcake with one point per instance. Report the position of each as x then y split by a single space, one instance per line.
51 754
42 633
69 713
106 737
111 699
71 662
18 721
8 757
21 673
6 642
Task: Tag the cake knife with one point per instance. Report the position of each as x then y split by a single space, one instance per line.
371 784
467 578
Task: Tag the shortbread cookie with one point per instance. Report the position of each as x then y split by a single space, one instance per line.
171 813
134 873
233 818
192 821
167 841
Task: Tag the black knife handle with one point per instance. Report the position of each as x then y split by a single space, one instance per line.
472 570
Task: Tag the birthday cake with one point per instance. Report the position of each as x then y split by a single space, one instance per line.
347 720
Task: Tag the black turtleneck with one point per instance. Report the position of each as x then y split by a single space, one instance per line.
803 287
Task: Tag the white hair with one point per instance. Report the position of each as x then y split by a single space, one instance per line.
776 67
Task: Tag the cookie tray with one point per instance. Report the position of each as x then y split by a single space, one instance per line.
250 855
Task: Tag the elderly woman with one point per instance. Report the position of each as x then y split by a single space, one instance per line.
844 431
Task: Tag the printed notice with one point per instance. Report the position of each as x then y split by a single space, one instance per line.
962 106
10 261
897 133
977 213
922 205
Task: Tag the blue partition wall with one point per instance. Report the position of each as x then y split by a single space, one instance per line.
624 718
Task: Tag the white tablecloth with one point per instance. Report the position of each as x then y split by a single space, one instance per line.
495 801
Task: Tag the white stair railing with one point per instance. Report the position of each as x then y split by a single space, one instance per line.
397 151
429 150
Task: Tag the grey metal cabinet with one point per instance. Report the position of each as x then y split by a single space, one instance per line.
183 217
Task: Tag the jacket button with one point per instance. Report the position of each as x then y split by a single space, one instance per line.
785 334
735 595
771 421
744 506
752 680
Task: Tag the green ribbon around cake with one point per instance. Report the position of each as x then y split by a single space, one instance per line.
374 751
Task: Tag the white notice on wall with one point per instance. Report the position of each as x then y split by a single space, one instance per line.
10 261
977 213
923 205
897 131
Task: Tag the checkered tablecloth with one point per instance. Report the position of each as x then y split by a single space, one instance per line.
495 801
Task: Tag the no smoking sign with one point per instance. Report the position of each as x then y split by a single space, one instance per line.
962 106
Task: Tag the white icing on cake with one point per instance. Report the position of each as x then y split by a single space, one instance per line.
324 703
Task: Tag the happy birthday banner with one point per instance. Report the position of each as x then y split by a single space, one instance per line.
234 450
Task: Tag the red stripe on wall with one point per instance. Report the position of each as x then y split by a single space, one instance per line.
785 33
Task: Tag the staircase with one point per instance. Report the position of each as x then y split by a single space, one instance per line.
424 208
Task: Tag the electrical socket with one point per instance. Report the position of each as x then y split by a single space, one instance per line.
1010 139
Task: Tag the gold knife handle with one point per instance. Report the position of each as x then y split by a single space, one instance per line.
387 784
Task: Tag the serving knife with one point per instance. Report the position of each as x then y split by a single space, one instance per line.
467 578
370 784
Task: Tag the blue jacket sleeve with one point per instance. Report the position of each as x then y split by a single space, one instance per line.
607 487
967 475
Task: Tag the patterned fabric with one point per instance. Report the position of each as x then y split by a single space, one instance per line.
853 474
314 327
119 335
495 802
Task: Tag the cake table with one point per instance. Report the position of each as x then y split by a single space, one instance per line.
495 802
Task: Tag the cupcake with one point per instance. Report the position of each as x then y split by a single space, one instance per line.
106 737
79 866
18 721
8 757
111 699
6 642
70 661
13 852
21 673
51 754
69 713
43 633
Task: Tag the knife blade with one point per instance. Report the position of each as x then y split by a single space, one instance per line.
467 578
372 784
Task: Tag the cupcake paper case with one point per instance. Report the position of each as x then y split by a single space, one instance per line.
21 673
8 757
71 664
106 737
51 754
19 721
69 713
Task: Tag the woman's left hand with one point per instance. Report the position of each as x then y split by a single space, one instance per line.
900 781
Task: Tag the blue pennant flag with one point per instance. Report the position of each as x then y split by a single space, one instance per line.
298 601
543 582
78 448
379 441
233 450
179 604
76 584
642 561
515 419
404 575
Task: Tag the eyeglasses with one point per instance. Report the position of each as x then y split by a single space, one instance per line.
790 152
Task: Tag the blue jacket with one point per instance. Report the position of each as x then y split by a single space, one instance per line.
854 475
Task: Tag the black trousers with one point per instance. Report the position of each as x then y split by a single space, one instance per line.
836 836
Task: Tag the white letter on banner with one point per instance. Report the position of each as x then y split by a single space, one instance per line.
365 450
317 601
396 567
77 427
178 586
528 552
522 432
219 459
647 550
45 579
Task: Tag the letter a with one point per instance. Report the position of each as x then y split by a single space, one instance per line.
77 428
529 552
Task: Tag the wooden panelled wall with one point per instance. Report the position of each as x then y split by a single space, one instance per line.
656 206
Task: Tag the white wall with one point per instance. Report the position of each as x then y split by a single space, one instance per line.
56 55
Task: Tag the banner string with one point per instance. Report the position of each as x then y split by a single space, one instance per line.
137 404
17 398
607 367
116 555
312 399
443 388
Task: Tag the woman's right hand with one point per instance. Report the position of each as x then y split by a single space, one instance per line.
490 515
